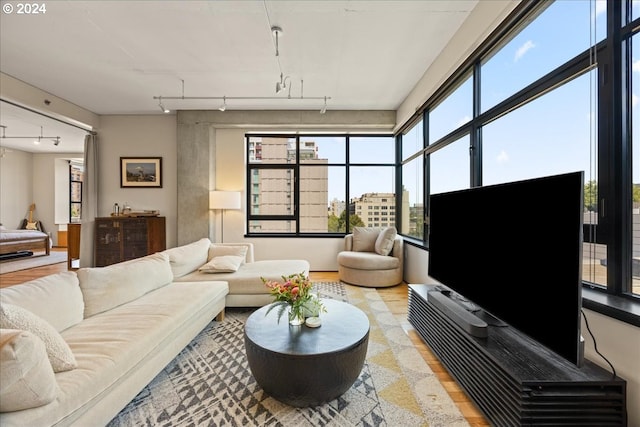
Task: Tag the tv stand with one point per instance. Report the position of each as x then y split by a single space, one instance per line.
469 322
513 379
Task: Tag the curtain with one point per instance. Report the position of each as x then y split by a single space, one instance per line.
89 200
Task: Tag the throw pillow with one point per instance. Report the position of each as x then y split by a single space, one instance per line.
364 239
222 264
224 250
384 242
26 377
58 351
187 258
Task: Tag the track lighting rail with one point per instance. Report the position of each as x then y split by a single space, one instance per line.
225 98
54 139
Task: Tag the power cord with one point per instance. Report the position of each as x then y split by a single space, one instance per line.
595 345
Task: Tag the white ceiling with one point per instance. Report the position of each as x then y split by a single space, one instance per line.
113 57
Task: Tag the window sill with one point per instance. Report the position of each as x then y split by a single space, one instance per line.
622 309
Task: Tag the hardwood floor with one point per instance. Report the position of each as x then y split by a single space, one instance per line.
395 298
21 276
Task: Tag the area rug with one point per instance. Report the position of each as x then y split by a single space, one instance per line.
210 384
36 260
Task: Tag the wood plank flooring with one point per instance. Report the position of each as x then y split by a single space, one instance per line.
395 298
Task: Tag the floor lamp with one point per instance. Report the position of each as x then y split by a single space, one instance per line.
223 200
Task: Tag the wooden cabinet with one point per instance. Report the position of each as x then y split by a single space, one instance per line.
73 246
123 238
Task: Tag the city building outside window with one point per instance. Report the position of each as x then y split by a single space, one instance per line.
76 174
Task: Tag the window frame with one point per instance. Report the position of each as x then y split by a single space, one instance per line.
613 147
73 202
295 167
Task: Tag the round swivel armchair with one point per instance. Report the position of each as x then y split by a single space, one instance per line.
372 257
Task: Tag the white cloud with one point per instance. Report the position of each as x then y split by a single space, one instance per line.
503 157
524 49
634 99
601 6
465 119
636 65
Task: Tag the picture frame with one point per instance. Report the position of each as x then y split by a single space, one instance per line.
141 172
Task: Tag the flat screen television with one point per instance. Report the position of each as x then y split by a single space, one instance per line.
515 250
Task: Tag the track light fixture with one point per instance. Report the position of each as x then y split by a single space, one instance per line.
276 31
162 107
324 107
282 84
36 139
224 98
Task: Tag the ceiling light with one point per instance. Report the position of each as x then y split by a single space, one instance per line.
282 84
224 104
162 107
324 107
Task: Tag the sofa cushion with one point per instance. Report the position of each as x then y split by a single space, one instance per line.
106 287
247 280
367 261
58 352
385 240
56 298
226 250
187 258
26 377
222 264
364 238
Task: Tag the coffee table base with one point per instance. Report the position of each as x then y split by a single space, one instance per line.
304 381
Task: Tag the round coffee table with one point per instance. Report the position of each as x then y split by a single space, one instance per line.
303 366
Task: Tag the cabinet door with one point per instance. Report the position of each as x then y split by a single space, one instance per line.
156 229
134 238
108 238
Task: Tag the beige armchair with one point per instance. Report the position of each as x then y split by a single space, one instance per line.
364 263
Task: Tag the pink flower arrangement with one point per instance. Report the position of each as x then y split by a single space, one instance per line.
293 292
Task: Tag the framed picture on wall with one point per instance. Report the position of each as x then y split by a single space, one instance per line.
141 172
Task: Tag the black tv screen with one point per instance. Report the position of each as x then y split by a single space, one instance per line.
515 250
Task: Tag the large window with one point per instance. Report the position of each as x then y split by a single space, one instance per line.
319 184
412 205
541 104
76 174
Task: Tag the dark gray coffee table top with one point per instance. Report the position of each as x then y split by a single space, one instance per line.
343 325
304 366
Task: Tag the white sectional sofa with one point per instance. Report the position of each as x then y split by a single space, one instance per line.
246 288
109 331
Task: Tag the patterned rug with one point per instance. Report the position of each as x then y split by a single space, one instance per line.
210 384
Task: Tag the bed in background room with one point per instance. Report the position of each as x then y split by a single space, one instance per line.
23 240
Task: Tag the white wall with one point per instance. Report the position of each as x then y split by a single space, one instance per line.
28 178
138 136
16 187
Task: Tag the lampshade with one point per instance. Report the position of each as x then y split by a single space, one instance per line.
224 200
